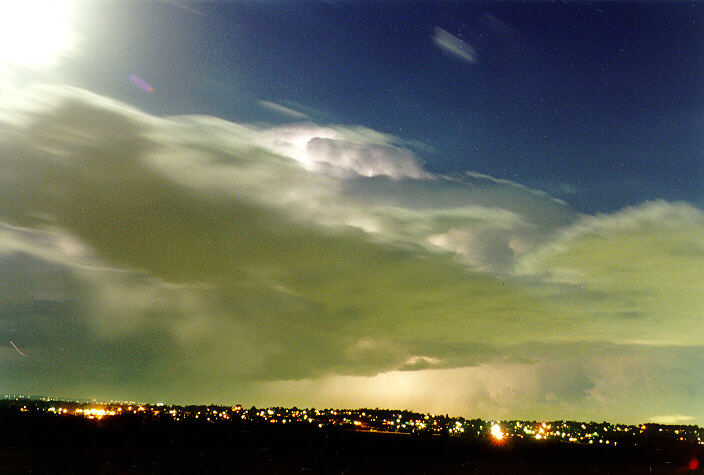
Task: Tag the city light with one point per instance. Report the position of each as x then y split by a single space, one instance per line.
374 420
496 432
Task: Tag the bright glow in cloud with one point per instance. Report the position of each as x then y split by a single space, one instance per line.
34 33
342 151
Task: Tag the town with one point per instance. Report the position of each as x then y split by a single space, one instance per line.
402 422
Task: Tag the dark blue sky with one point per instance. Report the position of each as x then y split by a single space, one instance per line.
600 104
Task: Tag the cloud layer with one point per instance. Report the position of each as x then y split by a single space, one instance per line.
193 259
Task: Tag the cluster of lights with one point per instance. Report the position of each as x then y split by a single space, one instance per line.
381 421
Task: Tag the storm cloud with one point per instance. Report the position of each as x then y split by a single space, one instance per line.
193 259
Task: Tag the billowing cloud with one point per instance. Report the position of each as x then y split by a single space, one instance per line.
190 258
642 267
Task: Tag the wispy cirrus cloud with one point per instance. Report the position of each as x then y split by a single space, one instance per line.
454 46
283 110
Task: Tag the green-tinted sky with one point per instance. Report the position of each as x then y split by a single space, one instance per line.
159 244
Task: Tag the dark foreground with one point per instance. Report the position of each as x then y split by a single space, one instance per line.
38 444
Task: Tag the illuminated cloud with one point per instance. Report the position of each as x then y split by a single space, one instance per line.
640 270
454 46
342 151
595 381
190 258
671 419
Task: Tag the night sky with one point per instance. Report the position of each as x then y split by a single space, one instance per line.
483 209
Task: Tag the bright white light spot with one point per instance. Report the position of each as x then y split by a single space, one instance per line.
34 33
496 432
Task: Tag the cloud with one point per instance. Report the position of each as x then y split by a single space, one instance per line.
454 45
189 259
600 380
500 30
642 266
283 110
183 6
671 419
343 151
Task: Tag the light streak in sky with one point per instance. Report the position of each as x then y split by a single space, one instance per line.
18 350
141 84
